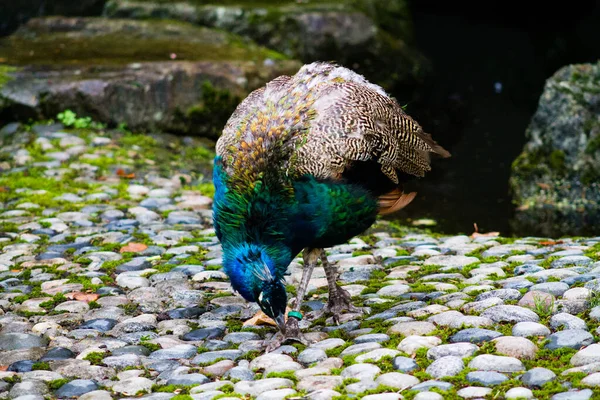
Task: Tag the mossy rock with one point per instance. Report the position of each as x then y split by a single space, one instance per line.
555 181
101 41
151 75
374 37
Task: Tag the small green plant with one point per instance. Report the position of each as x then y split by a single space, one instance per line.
594 298
57 384
70 120
544 306
95 358
40 366
150 346
94 304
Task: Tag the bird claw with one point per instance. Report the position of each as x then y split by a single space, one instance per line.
292 334
341 301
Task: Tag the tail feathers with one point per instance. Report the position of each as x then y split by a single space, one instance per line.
435 148
394 201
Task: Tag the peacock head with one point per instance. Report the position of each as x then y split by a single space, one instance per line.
252 271
272 299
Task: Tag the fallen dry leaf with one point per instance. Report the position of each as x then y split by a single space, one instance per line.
488 234
550 242
133 248
80 296
3 367
260 318
123 174
477 234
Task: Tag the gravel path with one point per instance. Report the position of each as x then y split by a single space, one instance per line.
110 287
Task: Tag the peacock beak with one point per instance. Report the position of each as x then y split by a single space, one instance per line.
280 320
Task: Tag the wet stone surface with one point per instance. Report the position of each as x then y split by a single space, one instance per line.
111 287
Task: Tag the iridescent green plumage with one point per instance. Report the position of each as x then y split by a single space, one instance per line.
308 162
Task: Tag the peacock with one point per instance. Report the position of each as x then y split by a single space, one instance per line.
305 163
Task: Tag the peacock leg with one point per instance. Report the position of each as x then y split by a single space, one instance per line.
339 299
292 330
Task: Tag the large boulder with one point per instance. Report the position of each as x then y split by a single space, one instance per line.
374 37
148 74
555 181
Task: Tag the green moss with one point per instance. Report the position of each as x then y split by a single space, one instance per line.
150 346
57 384
208 117
286 375
529 162
139 41
557 161
206 189
181 389
5 74
41 366
56 300
555 360
95 358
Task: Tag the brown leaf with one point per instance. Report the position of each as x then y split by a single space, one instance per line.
80 296
549 242
121 172
3 367
260 318
544 186
489 234
477 234
133 248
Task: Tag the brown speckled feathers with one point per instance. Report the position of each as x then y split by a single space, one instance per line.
320 122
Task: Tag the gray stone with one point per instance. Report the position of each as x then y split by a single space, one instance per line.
28 388
518 393
211 356
132 386
474 335
361 371
397 380
583 394
527 328
587 355
462 350
445 366
537 377
573 338
311 355
404 364
240 373
188 379
510 313
554 288
489 362
75 388
567 321
486 378
451 261
18 341
255 388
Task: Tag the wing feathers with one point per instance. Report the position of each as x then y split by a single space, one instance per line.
394 201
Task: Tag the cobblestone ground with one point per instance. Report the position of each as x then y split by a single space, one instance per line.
110 287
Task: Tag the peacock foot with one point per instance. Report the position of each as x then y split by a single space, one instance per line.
292 334
340 301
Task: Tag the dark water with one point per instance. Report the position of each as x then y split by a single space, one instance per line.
489 68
